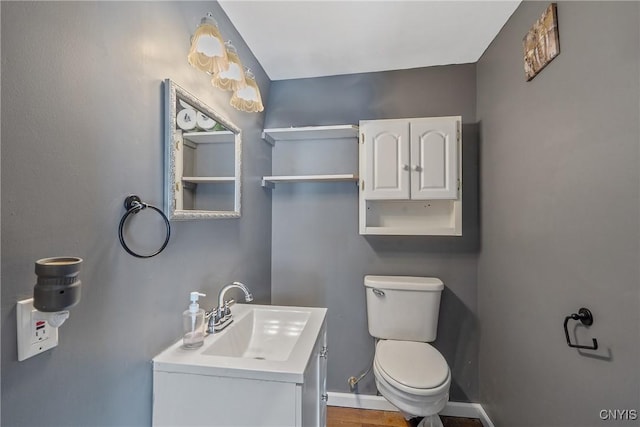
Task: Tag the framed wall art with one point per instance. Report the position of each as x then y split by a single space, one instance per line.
541 44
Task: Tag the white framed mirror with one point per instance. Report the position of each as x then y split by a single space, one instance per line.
202 159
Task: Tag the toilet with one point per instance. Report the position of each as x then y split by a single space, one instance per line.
402 313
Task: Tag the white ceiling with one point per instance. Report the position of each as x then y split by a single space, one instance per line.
297 39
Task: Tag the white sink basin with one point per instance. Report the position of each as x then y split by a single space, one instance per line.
263 334
263 342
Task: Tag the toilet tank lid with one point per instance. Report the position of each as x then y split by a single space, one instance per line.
405 283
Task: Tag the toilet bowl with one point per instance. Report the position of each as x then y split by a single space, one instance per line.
412 376
402 312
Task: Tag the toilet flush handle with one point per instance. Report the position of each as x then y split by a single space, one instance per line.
377 292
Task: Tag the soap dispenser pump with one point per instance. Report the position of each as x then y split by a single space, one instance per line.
193 323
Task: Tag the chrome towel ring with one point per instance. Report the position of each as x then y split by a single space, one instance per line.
133 204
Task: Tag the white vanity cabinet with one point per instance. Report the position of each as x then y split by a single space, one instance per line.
191 394
411 176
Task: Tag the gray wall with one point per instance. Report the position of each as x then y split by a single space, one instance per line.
318 257
82 128
560 208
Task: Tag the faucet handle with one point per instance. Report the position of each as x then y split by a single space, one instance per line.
212 318
218 315
226 310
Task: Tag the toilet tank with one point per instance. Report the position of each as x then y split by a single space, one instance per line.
403 307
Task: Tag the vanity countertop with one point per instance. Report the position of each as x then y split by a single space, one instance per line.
264 342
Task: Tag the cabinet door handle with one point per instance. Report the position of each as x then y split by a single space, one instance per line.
417 168
406 167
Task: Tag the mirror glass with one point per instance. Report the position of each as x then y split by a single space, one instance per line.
202 159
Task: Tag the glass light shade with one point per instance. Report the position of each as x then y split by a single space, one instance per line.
207 52
248 98
233 78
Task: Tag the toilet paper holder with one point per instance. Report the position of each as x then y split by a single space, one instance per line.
586 318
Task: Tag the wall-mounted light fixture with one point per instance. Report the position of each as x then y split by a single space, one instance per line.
248 98
221 60
207 51
57 289
232 78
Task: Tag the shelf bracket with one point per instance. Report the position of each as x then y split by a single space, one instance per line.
269 140
267 184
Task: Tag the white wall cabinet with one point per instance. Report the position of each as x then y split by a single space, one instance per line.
411 176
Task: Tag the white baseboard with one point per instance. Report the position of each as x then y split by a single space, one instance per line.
359 401
367 401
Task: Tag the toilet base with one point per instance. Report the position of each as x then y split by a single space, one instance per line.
411 405
431 421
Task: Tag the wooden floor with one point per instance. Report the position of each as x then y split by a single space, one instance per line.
349 417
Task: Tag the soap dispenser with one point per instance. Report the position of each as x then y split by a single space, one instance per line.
193 322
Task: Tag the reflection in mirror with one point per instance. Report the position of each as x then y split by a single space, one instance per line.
202 159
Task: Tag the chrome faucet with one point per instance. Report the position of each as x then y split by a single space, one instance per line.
220 317
247 295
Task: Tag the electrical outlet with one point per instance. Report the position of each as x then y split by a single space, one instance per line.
40 331
35 335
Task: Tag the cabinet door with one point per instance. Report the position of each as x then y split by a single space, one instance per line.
314 387
434 158
322 376
386 159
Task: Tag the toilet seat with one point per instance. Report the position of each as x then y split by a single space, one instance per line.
412 367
